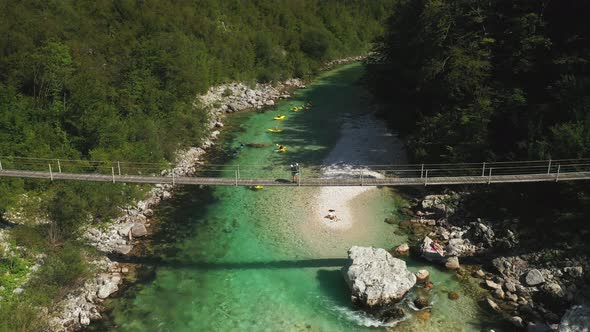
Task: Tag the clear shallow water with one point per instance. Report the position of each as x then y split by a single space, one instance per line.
234 259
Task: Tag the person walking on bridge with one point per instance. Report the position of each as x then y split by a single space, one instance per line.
295 172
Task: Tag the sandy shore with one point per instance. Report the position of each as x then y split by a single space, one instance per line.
364 140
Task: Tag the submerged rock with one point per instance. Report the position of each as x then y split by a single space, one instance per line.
423 315
376 278
402 249
421 302
422 275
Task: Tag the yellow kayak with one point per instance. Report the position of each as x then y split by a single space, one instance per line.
280 117
281 148
296 109
257 187
274 130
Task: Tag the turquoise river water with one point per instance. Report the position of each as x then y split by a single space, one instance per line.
236 259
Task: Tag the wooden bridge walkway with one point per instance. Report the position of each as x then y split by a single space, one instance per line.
251 175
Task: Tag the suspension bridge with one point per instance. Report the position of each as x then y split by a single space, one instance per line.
308 175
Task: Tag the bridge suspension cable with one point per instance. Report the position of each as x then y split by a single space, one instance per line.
314 175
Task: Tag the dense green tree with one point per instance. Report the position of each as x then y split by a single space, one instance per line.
480 80
116 80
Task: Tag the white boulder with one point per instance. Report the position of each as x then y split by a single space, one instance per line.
376 278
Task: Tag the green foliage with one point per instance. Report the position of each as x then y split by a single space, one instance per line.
315 44
63 269
116 80
13 270
227 92
20 315
33 238
480 80
66 266
67 213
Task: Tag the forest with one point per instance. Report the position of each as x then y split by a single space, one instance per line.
475 81
487 80
117 80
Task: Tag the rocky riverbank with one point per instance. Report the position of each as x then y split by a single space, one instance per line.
532 287
123 234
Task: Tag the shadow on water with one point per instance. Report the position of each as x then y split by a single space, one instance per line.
334 287
320 126
279 264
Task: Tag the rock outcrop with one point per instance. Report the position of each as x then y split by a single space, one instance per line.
83 305
534 277
376 278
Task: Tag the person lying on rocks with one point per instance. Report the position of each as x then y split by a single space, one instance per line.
437 247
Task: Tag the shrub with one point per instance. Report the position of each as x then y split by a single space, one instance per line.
227 92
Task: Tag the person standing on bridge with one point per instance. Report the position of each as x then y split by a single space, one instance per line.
295 172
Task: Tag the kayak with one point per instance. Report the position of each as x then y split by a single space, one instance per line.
257 187
281 148
280 117
296 109
274 130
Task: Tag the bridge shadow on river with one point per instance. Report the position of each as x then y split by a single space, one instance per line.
207 266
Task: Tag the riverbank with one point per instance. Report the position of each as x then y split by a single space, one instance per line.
123 234
531 284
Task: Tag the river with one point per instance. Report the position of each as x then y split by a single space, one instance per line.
237 259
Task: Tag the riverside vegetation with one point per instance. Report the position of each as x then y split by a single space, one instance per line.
472 81
117 80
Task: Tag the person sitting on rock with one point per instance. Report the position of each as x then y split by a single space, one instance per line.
331 215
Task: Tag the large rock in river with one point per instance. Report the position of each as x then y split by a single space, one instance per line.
376 278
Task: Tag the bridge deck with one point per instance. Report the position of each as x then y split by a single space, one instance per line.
313 181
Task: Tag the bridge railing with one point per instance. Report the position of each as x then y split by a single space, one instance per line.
316 172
